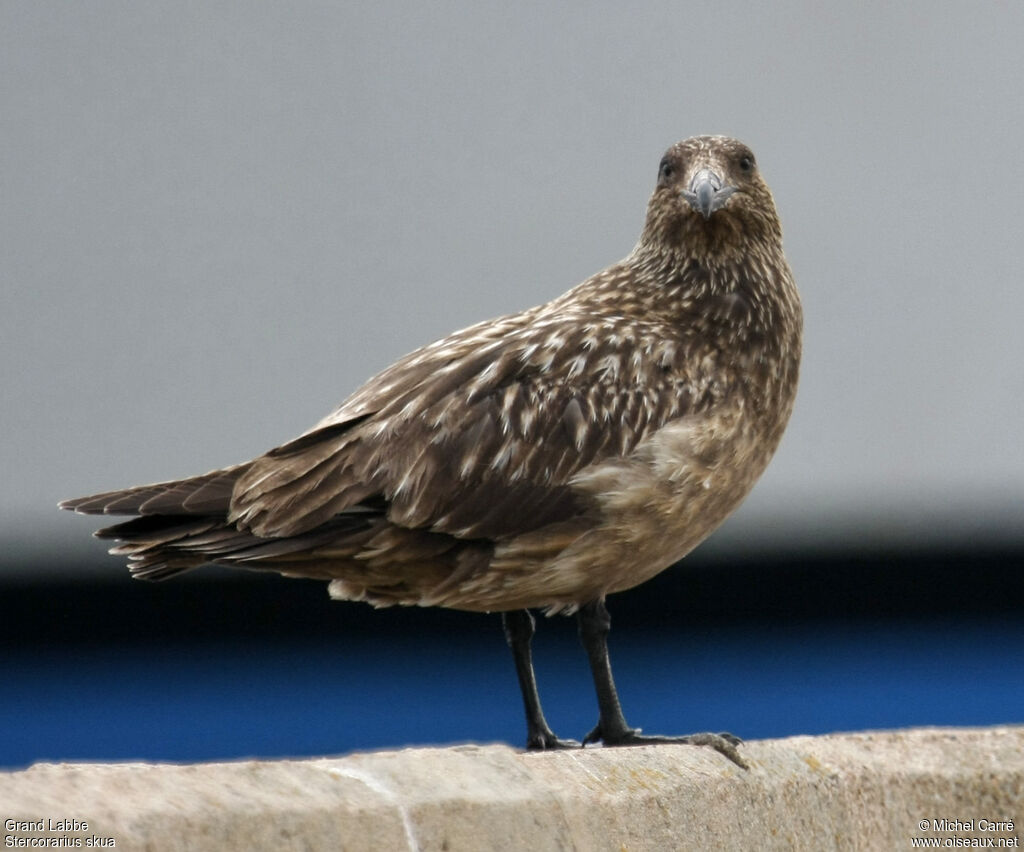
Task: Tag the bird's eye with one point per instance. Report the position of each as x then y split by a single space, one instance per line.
746 164
666 169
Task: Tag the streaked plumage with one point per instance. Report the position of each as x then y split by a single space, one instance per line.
540 460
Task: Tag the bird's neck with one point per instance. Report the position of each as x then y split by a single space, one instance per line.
746 295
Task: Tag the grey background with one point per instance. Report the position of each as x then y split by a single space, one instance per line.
216 220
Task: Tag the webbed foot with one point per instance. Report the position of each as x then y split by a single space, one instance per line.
724 743
547 741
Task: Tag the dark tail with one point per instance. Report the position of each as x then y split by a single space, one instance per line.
177 518
183 524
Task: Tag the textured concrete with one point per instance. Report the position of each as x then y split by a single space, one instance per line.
857 791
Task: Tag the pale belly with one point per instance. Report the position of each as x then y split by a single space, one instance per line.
656 505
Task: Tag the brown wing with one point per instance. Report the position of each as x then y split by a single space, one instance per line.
478 435
208 493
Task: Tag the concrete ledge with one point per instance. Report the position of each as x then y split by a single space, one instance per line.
856 791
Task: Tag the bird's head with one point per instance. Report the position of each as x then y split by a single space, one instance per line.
709 196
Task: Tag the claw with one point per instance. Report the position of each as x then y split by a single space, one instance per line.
724 743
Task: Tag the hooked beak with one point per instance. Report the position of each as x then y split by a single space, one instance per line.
706 193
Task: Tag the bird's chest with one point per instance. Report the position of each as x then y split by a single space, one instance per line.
678 485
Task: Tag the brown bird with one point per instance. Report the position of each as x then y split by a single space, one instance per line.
541 460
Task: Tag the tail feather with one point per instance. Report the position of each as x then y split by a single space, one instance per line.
162 546
157 530
182 524
152 543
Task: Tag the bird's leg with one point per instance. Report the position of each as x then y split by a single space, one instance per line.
594 626
519 628
611 729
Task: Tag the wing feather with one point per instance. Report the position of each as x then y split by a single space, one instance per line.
198 495
478 436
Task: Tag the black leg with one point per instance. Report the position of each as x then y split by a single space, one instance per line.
519 627
595 624
612 730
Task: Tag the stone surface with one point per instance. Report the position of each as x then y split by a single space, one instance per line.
856 791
